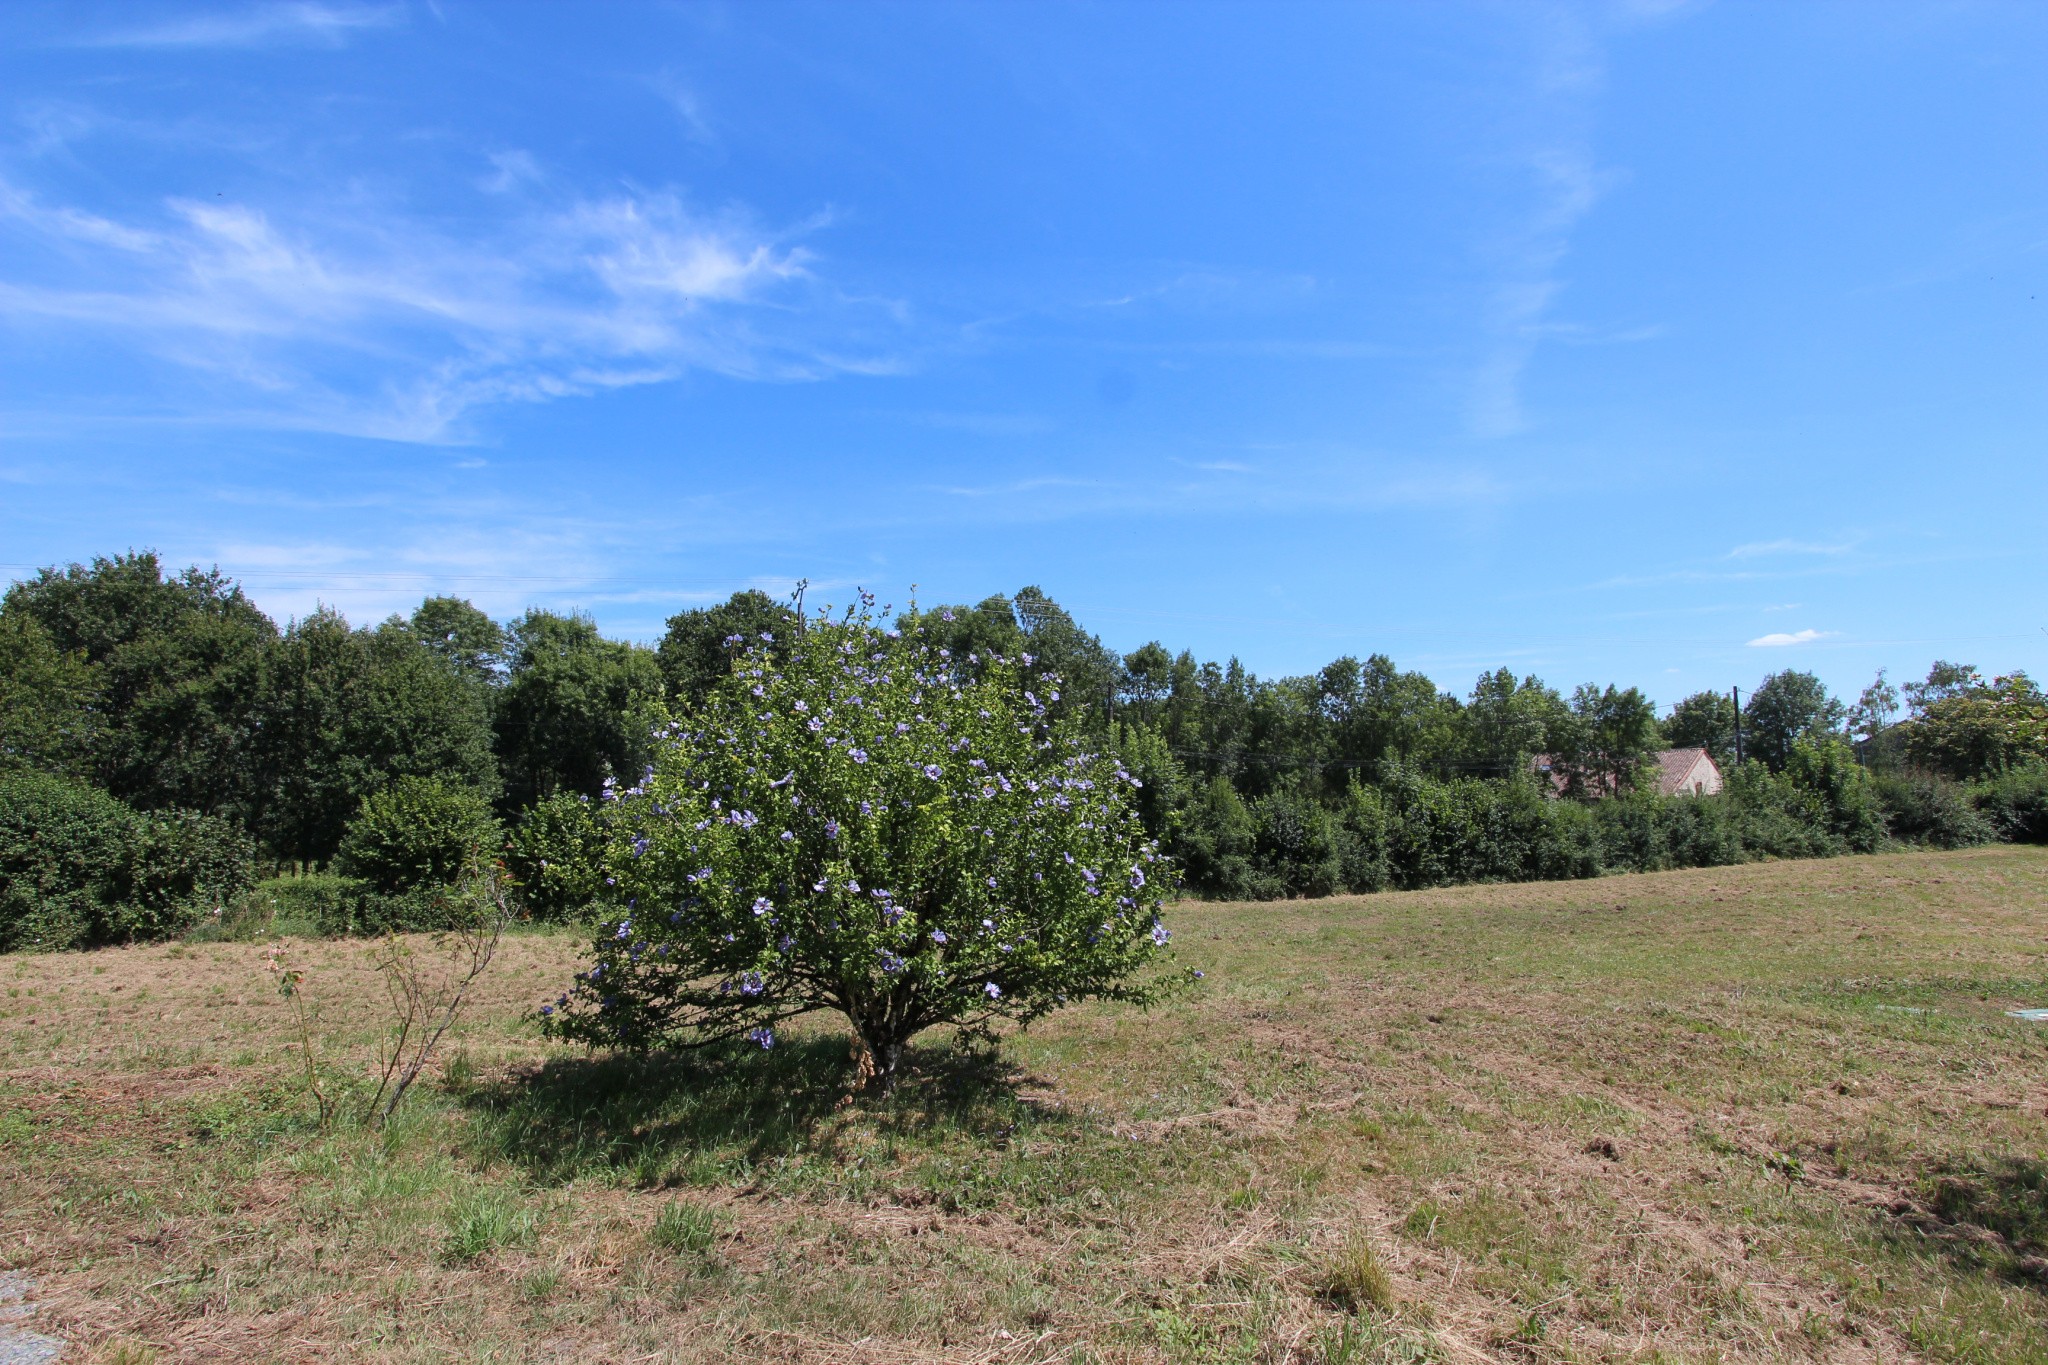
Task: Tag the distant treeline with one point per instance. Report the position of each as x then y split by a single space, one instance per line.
162 742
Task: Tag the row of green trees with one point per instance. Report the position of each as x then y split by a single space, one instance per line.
374 750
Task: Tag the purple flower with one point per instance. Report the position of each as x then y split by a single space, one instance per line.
866 809
764 1036
1159 934
934 771
762 906
858 755
993 991
787 836
831 829
939 936
891 963
639 846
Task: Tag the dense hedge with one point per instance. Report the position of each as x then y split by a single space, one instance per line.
556 857
420 832
2016 804
79 868
1407 830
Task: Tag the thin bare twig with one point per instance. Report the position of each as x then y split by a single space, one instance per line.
425 1003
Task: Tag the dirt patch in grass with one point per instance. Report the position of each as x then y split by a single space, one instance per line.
1763 1113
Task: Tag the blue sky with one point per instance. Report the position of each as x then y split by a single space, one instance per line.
1659 343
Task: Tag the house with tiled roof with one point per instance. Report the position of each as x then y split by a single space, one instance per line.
1687 772
1680 772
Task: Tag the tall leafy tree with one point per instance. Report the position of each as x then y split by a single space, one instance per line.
1704 720
575 709
1507 721
1611 737
694 654
1087 672
1982 730
979 633
47 714
1182 717
175 668
462 636
346 712
1944 681
1374 711
1147 683
1786 708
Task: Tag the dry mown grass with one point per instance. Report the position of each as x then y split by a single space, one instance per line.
1762 1113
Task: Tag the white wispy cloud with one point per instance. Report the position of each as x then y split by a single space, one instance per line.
688 107
1525 259
1765 548
1517 312
509 171
1779 639
1220 486
257 26
372 322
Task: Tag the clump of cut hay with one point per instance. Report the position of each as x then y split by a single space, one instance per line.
1356 1280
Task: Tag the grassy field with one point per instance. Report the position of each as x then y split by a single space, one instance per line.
1773 1112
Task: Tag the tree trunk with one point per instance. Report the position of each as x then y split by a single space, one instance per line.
880 1059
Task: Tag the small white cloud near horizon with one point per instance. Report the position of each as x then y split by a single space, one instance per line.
1779 639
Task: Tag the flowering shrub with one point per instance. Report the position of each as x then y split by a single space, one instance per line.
857 820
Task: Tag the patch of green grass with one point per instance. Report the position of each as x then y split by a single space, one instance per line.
684 1229
482 1222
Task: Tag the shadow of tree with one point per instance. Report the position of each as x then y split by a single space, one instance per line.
1988 1214
718 1113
